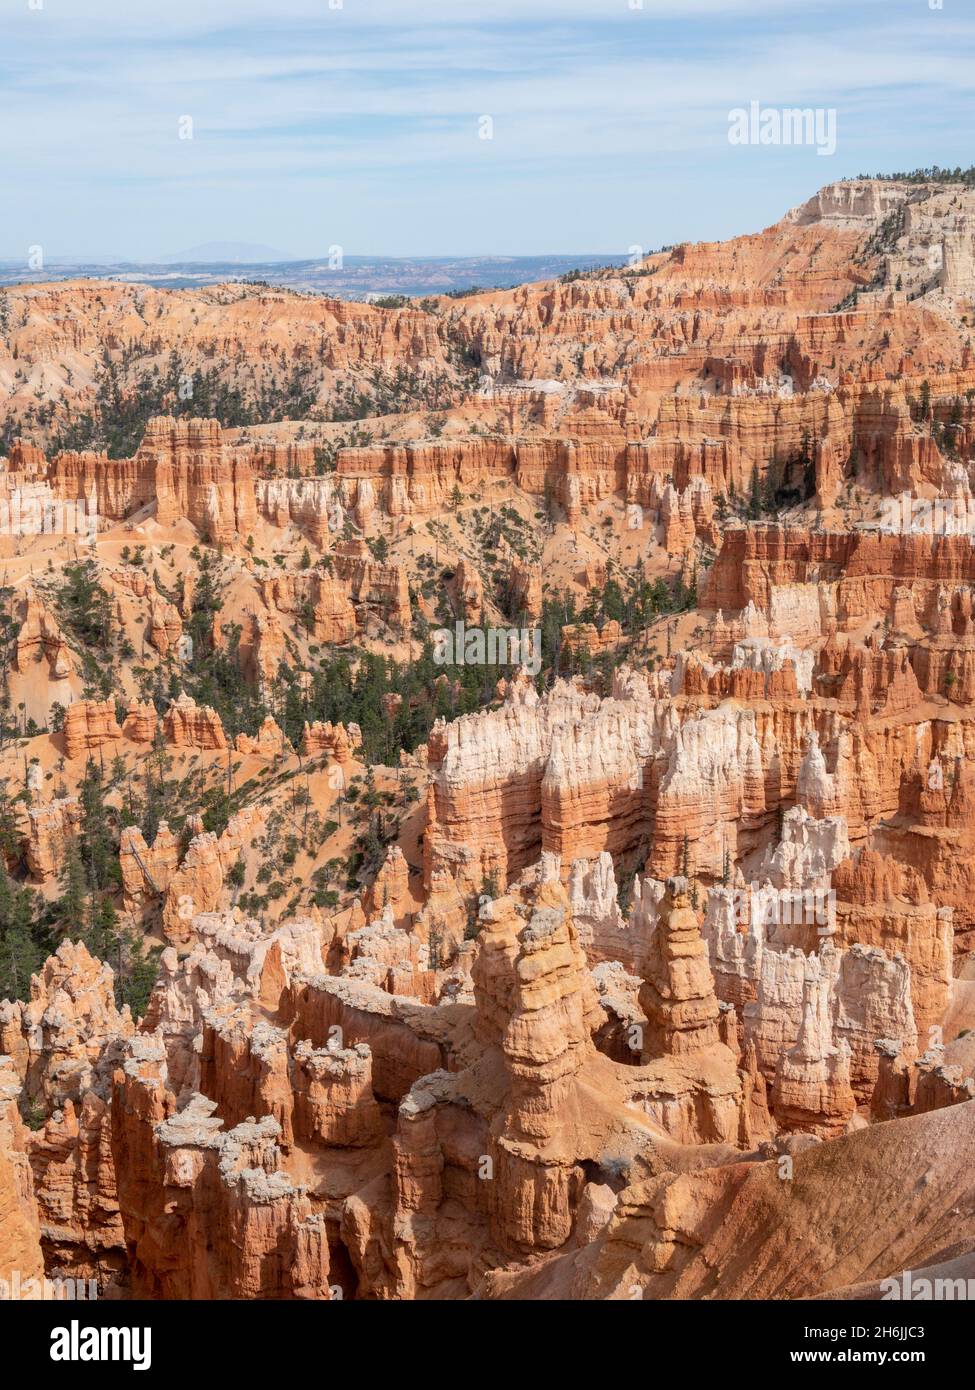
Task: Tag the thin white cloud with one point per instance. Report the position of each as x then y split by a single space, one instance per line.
378 101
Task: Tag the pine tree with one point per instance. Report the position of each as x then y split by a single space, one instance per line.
19 959
85 607
21 949
9 839
103 938
97 842
613 601
69 910
140 976
206 605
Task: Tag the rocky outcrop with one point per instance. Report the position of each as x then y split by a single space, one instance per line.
88 726
862 568
587 638
39 638
599 920
334 1101
231 958
533 995
525 590
882 902
64 1041
565 773
333 740
713 780
754 1230
314 505
20 1234
390 889
196 478
66 1026
315 601
208 1212
244 1067
680 1002
147 871
165 626
76 1193
50 826
140 722
263 649
268 742
868 996
380 589
196 886
467 588
678 992
189 725
812 1090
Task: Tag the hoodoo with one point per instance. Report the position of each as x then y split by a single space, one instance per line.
348 951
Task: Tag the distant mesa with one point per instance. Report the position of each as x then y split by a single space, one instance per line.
237 252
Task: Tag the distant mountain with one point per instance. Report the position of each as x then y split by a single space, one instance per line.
61 261
227 252
359 277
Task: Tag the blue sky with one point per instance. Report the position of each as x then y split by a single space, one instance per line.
358 125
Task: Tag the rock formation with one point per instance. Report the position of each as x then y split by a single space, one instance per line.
88 726
678 994
188 725
20 1235
648 970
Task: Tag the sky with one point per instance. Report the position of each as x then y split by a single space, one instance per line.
359 123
